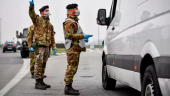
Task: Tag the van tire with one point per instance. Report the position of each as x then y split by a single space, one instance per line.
108 83
150 83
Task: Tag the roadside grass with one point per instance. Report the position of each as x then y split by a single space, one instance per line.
59 50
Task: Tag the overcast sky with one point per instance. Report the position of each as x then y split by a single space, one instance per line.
14 14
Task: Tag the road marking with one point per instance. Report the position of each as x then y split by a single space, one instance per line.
23 71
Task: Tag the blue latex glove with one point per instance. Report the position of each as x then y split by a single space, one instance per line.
86 40
32 3
86 36
54 51
31 49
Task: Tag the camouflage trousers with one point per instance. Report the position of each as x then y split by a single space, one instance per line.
73 62
32 63
41 58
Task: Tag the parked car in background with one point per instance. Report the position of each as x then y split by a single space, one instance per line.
9 46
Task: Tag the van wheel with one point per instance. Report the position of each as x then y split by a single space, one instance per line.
108 83
150 86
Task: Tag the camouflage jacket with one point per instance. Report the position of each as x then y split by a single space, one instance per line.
43 31
70 29
30 35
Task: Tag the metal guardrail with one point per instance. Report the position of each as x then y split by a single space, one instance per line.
60 45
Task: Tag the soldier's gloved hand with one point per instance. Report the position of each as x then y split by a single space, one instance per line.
86 36
86 40
31 49
54 51
32 3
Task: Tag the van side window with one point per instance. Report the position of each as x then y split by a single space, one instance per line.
112 13
125 15
116 19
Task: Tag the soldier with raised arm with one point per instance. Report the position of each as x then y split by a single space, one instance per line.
32 53
42 38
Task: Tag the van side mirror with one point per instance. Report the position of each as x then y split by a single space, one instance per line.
101 17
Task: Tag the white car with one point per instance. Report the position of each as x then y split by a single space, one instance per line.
137 46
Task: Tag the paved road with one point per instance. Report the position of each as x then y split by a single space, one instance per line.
87 80
10 64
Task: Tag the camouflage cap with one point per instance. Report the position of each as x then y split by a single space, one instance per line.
71 6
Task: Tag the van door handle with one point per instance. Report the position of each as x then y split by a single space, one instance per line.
113 28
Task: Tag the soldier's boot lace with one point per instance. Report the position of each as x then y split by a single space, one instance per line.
48 86
69 90
39 85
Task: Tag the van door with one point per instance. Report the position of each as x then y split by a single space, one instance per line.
110 45
123 42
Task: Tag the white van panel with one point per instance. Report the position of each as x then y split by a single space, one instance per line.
124 43
105 50
127 77
124 39
150 48
140 2
157 31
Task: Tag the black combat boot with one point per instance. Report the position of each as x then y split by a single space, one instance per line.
39 85
48 86
70 91
74 89
32 75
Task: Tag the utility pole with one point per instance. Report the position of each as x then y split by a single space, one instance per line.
0 32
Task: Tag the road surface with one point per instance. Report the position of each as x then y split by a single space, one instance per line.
10 64
88 79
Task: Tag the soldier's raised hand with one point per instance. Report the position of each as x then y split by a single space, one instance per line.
32 3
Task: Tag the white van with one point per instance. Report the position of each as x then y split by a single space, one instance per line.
137 46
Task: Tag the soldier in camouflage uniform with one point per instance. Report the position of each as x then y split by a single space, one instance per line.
73 51
43 36
32 53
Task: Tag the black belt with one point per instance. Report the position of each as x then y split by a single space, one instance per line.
42 46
